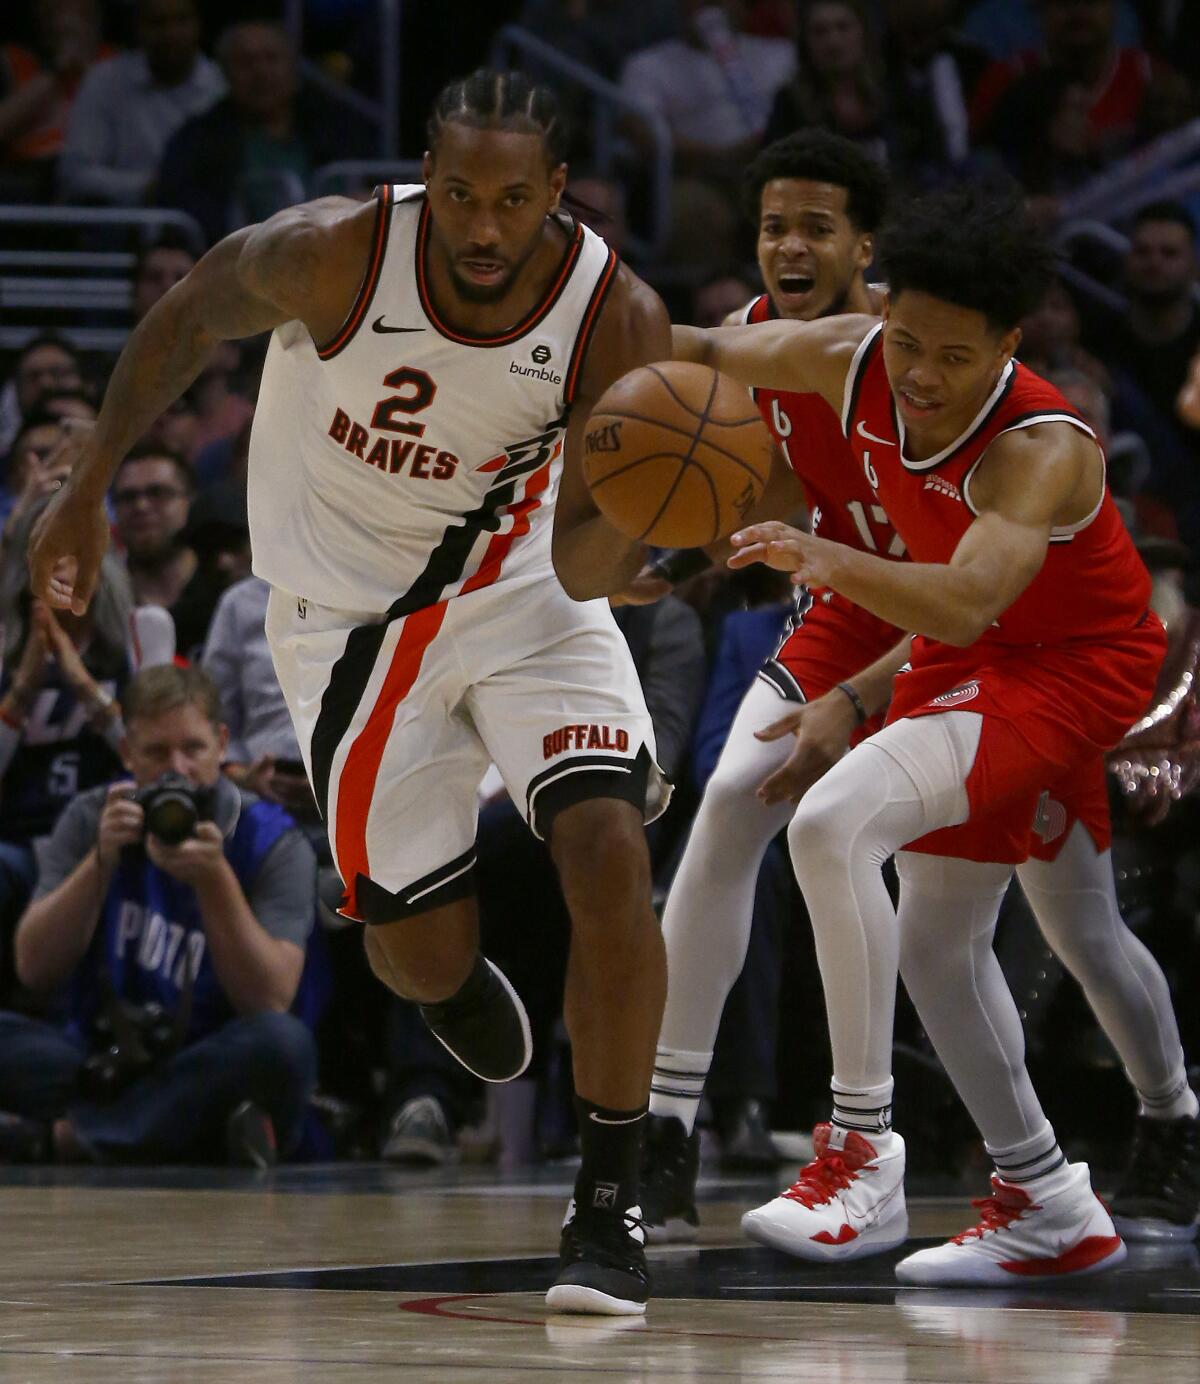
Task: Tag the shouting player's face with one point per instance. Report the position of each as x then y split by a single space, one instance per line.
490 192
809 251
942 362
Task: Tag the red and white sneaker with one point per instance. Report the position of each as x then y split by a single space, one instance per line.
1068 1234
846 1203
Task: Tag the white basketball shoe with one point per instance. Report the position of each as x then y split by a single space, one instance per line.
1018 1239
848 1202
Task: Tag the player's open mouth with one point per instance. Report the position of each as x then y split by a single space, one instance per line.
916 405
795 285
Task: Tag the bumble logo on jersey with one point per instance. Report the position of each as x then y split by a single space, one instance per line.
540 355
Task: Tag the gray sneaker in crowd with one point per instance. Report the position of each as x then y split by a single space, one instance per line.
419 1135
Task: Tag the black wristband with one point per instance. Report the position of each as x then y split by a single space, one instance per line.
678 564
856 701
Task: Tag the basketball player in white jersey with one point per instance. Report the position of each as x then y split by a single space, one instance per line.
436 352
818 199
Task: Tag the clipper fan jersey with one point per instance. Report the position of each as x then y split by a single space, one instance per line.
371 485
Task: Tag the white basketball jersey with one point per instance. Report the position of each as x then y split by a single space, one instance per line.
404 462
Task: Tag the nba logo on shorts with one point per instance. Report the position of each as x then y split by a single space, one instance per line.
964 692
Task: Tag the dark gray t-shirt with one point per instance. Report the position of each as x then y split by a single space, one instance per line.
282 895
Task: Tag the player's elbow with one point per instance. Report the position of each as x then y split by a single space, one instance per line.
573 575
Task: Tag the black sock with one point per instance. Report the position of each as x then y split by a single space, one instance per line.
468 994
611 1144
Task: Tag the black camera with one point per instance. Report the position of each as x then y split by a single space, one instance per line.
173 806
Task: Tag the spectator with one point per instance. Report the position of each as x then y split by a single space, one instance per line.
1080 97
44 363
29 471
717 299
59 706
837 82
931 72
263 755
1161 329
128 107
600 203
150 495
210 929
713 87
256 149
62 404
219 534
37 87
160 266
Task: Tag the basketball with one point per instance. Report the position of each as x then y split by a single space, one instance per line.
675 454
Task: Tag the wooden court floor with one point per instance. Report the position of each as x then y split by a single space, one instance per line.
354 1274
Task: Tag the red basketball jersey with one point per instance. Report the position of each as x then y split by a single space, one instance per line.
809 433
1092 585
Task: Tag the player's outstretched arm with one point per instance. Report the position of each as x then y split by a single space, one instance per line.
591 557
1028 482
806 357
306 264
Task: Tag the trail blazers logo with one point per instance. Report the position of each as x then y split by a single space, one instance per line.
965 692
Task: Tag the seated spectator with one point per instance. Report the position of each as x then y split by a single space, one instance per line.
62 404
713 87
60 696
44 364
931 71
37 87
31 469
150 495
837 82
600 203
263 755
218 533
1080 95
129 106
194 940
256 149
160 266
717 299
1161 329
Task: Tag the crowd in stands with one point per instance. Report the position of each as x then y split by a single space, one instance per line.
203 1000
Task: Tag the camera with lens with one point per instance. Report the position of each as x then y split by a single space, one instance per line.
173 806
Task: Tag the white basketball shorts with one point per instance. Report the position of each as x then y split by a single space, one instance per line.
399 719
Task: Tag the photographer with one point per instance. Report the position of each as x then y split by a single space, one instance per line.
176 908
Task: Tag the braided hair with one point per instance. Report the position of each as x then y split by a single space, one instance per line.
492 100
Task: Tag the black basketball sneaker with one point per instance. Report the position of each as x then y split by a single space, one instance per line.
602 1263
484 1025
670 1166
1159 1196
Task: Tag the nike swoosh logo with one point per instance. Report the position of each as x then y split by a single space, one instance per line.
883 441
601 1120
378 326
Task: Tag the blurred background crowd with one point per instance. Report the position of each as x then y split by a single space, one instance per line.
135 133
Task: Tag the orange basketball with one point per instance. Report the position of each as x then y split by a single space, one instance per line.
675 454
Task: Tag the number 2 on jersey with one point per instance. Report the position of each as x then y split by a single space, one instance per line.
422 391
878 515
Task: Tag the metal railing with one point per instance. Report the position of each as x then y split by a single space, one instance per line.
85 292
1137 179
384 112
610 106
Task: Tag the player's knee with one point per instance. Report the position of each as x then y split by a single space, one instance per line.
820 831
599 847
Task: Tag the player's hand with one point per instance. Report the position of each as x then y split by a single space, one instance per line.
122 822
810 560
1187 405
196 861
646 588
70 537
822 729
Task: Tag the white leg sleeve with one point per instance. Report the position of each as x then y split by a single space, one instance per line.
948 911
706 924
1074 900
906 781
